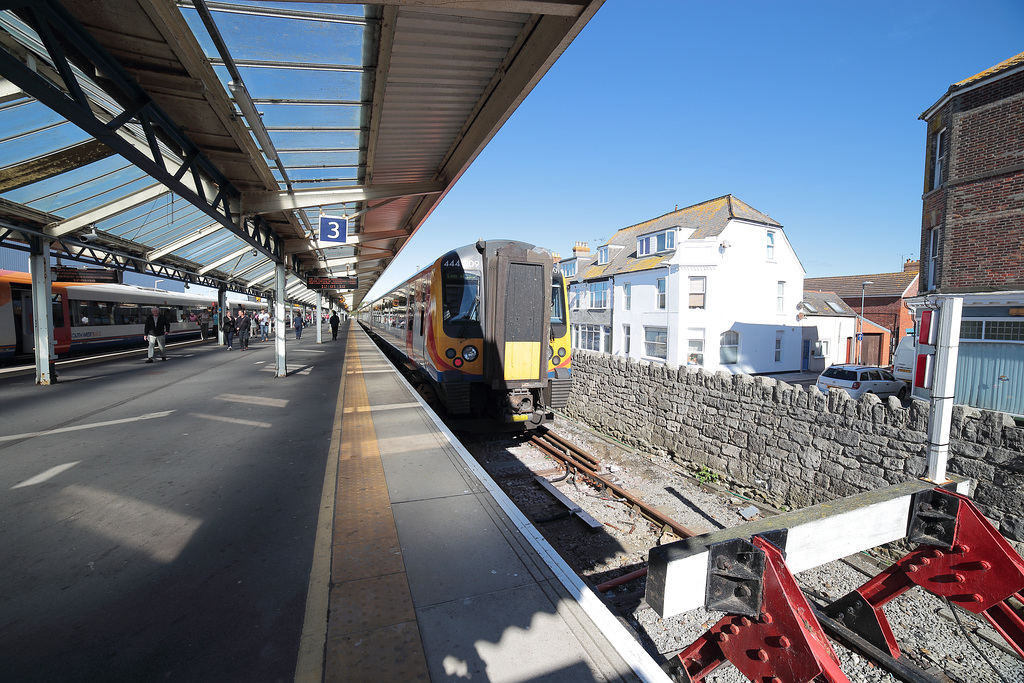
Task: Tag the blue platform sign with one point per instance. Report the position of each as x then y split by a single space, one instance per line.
333 229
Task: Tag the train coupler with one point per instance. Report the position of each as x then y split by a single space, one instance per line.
961 557
771 633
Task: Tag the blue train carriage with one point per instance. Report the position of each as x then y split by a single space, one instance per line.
483 334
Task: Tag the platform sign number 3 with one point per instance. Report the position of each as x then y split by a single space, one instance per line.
333 229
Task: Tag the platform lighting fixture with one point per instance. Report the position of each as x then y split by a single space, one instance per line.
860 322
156 284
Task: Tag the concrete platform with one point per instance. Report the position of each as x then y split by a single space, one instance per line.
202 519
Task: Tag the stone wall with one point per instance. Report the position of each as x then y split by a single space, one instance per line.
791 446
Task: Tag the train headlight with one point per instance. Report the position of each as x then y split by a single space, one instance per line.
469 353
450 353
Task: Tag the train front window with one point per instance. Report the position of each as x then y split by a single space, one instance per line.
460 301
557 307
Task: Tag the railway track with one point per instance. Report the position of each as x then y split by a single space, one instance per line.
636 517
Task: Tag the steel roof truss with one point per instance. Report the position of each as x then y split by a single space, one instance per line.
49 18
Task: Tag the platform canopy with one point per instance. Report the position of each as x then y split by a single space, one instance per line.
203 141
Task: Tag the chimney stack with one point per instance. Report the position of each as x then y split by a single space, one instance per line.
580 249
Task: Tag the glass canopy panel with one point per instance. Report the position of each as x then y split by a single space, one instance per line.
221 245
24 117
83 188
319 159
312 37
309 116
314 177
285 83
17 146
312 140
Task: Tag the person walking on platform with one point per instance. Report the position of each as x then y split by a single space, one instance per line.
229 328
264 324
335 321
204 324
244 331
297 324
156 331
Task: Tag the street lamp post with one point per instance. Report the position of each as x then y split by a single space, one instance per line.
860 321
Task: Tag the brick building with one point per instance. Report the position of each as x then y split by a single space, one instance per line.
972 229
885 304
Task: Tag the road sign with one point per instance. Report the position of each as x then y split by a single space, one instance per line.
333 229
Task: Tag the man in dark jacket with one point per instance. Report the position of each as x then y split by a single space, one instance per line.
244 330
156 331
335 321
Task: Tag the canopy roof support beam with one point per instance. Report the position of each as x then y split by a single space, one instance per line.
55 26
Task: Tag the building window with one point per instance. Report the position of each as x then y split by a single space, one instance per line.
625 339
695 347
730 347
602 256
657 243
568 269
666 241
971 329
780 298
656 342
627 290
1004 330
662 293
821 348
933 257
778 346
939 169
771 245
606 331
599 295
698 287
590 337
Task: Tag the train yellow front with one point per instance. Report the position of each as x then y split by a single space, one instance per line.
483 333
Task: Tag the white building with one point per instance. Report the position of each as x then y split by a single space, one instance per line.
716 284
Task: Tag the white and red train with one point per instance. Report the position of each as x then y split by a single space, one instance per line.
89 317
483 331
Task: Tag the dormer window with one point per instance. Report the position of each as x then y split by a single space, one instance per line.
656 243
602 256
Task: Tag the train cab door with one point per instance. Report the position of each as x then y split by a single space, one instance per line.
522 287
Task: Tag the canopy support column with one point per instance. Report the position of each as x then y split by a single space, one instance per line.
318 318
42 311
280 275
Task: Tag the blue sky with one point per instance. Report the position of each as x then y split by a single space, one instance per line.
807 111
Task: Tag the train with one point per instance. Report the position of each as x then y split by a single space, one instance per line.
483 333
90 317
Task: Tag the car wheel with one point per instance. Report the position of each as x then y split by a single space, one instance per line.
902 393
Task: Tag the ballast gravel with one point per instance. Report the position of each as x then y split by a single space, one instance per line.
926 627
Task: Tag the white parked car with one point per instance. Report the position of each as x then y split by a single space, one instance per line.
857 380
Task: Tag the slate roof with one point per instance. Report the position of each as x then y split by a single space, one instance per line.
708 219
825 303
1004 65
884 284
996 72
